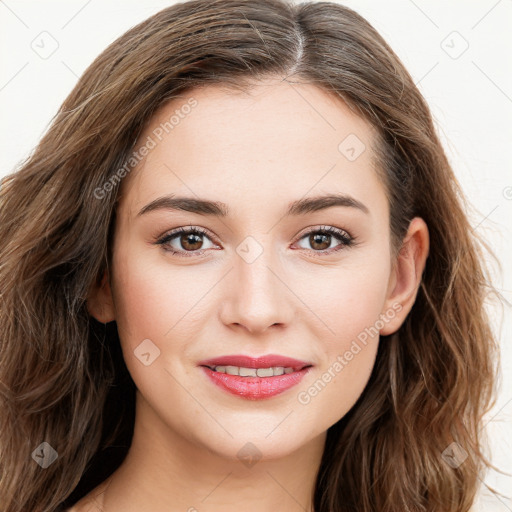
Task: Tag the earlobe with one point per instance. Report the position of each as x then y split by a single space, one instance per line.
99 303
406 275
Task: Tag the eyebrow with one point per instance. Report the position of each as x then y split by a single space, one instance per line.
219 209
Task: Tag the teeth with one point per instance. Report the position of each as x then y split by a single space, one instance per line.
253 372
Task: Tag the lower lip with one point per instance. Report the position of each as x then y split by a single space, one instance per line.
255 388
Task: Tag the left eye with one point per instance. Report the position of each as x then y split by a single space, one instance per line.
189 239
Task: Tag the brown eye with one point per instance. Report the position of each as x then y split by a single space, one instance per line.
320 239
185 240
190 241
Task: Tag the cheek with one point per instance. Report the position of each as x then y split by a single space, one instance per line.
347 298
334 389
350 303
165 305
153 299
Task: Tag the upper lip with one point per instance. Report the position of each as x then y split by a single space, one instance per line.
266 361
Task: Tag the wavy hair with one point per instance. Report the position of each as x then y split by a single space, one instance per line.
62 376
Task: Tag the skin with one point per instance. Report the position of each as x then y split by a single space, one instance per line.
257 152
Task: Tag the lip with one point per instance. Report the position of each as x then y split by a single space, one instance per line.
255 388
265 361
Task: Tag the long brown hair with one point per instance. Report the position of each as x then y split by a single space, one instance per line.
63 380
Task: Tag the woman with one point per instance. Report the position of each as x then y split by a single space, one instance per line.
237 273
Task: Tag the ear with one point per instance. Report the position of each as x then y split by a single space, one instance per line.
405 277
99 302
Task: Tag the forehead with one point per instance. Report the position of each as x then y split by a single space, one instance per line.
252 144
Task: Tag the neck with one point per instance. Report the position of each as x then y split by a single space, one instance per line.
163 471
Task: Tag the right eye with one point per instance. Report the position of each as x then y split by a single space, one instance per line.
187 240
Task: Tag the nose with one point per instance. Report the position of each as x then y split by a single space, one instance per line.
257 297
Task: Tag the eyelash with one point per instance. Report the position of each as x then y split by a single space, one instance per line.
345 238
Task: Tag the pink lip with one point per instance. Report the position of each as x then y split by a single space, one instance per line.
256 388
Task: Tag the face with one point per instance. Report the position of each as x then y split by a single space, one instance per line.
269 276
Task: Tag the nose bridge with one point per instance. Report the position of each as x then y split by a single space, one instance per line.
258 299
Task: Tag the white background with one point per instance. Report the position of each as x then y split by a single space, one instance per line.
470 97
